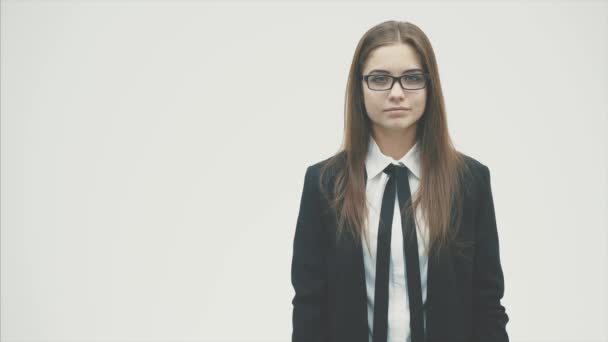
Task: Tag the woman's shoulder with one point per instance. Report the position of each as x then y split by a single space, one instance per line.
477 173
330 165
472 162
322 173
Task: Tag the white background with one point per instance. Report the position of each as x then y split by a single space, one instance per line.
153 156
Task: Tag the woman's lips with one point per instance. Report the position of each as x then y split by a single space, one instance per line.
396 112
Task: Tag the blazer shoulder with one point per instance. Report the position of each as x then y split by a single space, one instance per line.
321 174
471 161
331 165
339 157
476 168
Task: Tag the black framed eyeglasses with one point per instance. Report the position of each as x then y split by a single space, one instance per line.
385 82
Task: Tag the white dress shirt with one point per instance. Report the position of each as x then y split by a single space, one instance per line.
398 303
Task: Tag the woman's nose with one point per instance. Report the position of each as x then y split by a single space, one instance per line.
396 90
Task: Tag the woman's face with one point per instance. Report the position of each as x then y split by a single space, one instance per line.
395 60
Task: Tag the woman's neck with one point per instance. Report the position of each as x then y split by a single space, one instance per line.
395 144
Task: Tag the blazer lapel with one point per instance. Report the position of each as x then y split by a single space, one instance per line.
438 300
350 294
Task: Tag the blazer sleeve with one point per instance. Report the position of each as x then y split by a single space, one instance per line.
308 267
490 318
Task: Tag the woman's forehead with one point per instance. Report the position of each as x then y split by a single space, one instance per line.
396 58
395 71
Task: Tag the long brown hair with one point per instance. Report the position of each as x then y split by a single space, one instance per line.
442 167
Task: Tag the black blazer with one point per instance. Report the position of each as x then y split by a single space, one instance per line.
464 286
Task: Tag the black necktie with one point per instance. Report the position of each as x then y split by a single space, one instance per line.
398 180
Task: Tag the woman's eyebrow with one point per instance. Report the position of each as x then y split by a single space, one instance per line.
386 72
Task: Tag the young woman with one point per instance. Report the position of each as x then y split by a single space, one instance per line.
396 236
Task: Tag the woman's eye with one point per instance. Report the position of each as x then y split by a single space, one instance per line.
379 79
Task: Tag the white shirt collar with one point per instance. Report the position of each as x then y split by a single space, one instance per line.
376 161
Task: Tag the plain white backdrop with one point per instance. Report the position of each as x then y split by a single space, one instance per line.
153 156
